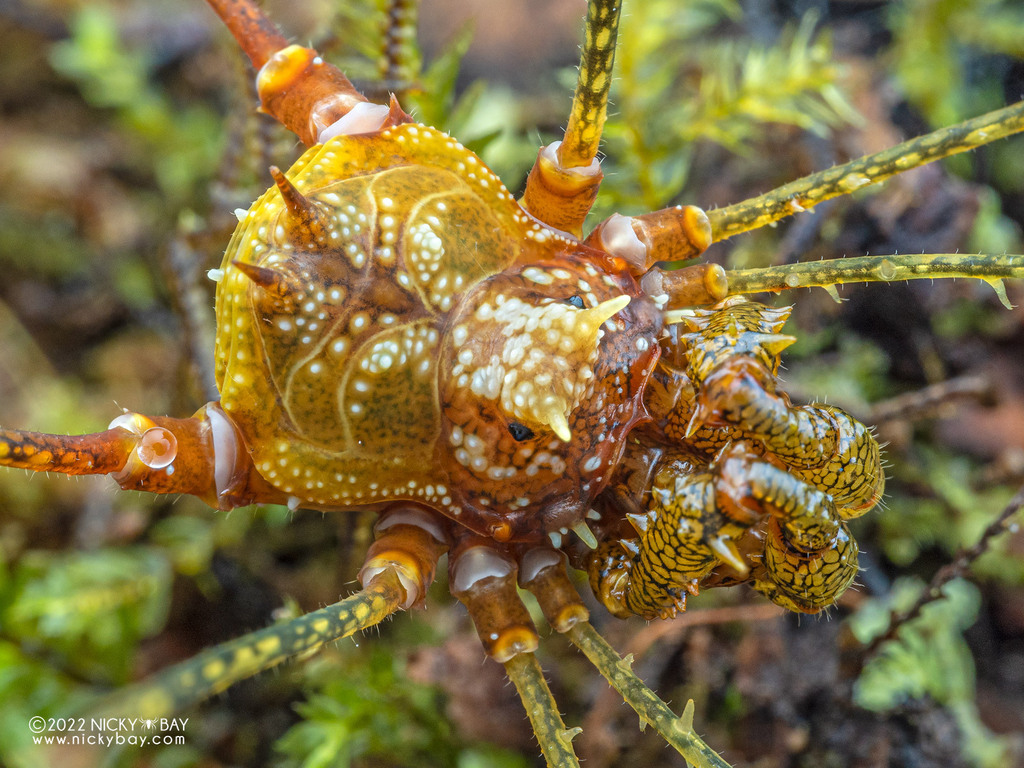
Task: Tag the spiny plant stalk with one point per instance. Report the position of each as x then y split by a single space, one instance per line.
217 669
677 731
805 193
555 739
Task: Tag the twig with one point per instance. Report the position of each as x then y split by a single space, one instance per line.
955 569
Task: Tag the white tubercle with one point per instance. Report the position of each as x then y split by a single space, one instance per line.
225 449
365 117
476 564
410 515
536 560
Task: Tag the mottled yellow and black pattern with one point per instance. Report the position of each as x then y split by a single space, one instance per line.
765 488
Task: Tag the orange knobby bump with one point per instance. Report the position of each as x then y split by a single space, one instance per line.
561 197
305 93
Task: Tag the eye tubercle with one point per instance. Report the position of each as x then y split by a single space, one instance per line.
583 326
553 411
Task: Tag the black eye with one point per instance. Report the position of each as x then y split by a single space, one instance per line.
519 432
576 301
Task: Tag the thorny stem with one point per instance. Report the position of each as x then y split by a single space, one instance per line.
807 192
957 568
590 101
183 266
216 669
991 268
677 731
920 403
555 739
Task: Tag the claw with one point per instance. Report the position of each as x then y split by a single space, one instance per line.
631 547
640 521
701 415
727 552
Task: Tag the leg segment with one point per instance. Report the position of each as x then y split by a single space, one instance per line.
482 575
822 444
554 738
295 85
807 192
717 385
203 456
741 518
803 581
650 570
590 101
564 180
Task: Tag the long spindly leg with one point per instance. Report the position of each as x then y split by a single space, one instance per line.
201 456
554 738
542 572
590 101
483 576
400 59
701 285
399 567
677 731
805 193
564 180
990 267
682 232
215 670
307 95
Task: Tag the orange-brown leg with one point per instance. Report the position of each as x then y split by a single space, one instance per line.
202 456
302 91
565 178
